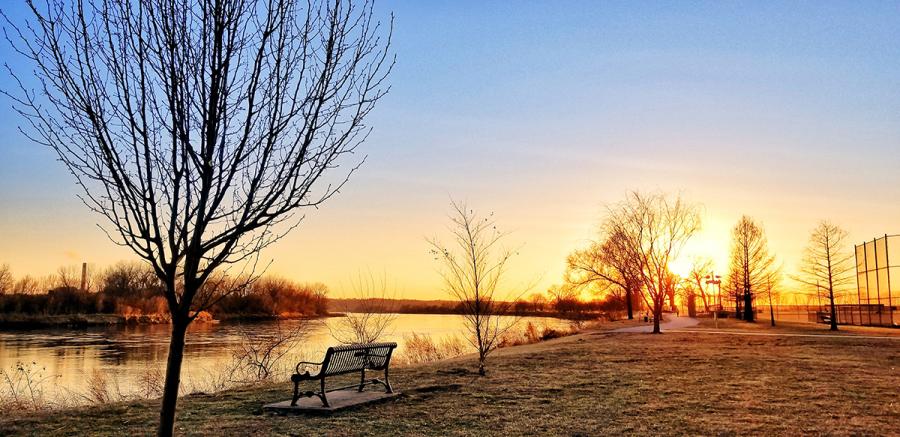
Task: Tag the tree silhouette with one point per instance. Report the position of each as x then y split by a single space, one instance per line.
828 264
700 269
654 229
607 263
474 265
6 279
199 128
751 263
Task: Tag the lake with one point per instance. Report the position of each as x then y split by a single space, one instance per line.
70 361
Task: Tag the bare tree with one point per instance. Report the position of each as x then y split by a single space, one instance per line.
700 269
371 317
538 302
260 353
29 285
474 265
566 300
199 128
6 279
655 229
771 290
126 278
828 264
751 262
67 277
606 264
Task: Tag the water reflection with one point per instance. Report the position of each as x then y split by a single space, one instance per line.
68 358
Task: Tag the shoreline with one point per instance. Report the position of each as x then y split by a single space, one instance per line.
81 321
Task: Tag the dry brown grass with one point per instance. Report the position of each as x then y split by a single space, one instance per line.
588 384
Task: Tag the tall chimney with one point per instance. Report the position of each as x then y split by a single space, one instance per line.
83 277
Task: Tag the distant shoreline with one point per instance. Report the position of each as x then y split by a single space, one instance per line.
80 321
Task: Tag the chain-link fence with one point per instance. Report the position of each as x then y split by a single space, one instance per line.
878 284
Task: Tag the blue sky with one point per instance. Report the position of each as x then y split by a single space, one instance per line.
542 112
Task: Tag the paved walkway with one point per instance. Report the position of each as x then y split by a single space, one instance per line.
789 334
677 324
674 322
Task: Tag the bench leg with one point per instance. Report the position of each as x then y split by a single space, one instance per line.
362 380
387 382
296 394
323 396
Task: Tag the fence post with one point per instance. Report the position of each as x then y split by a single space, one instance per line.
887 261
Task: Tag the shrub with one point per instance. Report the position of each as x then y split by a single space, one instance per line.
423 349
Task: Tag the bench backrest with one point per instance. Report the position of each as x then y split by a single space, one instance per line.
356 357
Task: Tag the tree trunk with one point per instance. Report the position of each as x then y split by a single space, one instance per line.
771 312
657 313
173 377
628 304
748 307
737 306
833 311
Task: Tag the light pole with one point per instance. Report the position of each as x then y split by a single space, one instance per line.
716 280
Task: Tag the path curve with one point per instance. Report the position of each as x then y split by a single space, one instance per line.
674 322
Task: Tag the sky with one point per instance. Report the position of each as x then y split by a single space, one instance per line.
542 113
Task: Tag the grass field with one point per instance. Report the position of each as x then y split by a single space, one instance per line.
593 383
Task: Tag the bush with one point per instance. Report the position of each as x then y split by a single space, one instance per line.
272 297
133 291
530 334
424 349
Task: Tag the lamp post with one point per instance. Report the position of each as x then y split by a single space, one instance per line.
716 280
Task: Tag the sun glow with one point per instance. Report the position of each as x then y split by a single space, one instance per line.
681 267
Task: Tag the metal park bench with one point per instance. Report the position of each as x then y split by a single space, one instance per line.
342 360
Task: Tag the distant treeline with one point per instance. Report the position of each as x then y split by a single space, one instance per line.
537 305
131 290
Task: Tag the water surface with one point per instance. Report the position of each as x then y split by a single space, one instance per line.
68 359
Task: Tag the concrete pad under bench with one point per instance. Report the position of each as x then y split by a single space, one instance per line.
339 400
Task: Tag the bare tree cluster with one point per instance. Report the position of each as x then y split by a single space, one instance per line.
6 279
654 229
609 266
474 264
199 128
639 238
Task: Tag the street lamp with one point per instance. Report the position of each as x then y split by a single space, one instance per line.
717 281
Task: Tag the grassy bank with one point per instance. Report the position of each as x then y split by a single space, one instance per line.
593 383
40 321
29 321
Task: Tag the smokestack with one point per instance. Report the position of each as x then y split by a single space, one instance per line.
83 277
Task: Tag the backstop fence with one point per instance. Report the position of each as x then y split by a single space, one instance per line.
875 301
877 284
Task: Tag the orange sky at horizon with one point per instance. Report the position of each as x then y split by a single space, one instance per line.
354 235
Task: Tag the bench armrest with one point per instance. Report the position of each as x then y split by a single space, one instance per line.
301 363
